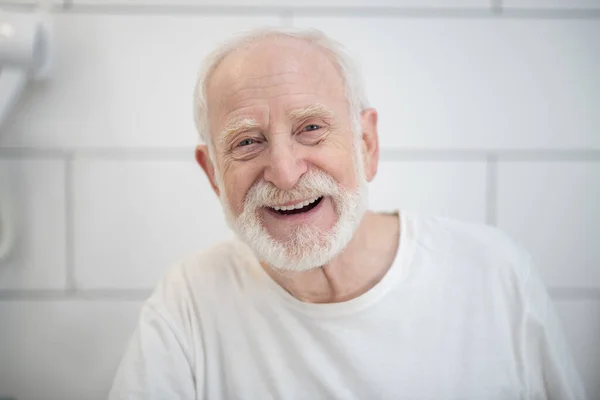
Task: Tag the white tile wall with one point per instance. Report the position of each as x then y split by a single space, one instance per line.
33 193
121 80
62 350
134 219
309 3
581 322
452 189
477 83
552 209
552 4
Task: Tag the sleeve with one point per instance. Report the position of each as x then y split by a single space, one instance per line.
155 365
551 368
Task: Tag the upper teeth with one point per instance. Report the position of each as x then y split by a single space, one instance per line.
296 206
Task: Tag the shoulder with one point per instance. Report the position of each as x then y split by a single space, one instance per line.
470 244
205 275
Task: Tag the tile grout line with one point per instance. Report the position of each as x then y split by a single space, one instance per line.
278 9
395 153
181 9
287 19
399 154
387 154
30 152
574 293
19 6
495 9
86 294
552 14
491 190
70 280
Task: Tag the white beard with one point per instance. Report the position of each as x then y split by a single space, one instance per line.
308 247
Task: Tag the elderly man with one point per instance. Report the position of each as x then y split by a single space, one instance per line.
319 298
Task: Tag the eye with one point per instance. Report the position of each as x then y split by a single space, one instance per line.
312 127
246 142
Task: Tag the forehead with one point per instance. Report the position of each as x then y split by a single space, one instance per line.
274 71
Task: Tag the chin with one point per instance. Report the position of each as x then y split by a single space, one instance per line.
305 249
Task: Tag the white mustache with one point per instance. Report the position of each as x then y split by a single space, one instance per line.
314 183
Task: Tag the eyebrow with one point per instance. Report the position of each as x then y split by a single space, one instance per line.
235 127
311 111
232 128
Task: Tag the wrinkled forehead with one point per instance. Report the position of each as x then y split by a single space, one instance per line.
271 68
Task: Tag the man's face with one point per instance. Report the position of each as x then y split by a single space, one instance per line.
289 168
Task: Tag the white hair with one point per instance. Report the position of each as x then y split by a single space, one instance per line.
354 88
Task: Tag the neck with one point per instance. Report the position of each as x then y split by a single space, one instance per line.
363 263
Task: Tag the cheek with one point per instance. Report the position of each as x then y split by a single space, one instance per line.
347 176
339 161
238 181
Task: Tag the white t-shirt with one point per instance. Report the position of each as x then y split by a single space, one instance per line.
461 314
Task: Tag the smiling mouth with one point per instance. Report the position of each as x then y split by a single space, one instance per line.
298 208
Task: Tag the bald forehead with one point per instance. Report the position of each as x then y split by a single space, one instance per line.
269 60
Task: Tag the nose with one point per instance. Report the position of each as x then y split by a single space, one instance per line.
285 164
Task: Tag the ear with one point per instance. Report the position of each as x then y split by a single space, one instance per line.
370 142
203 159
